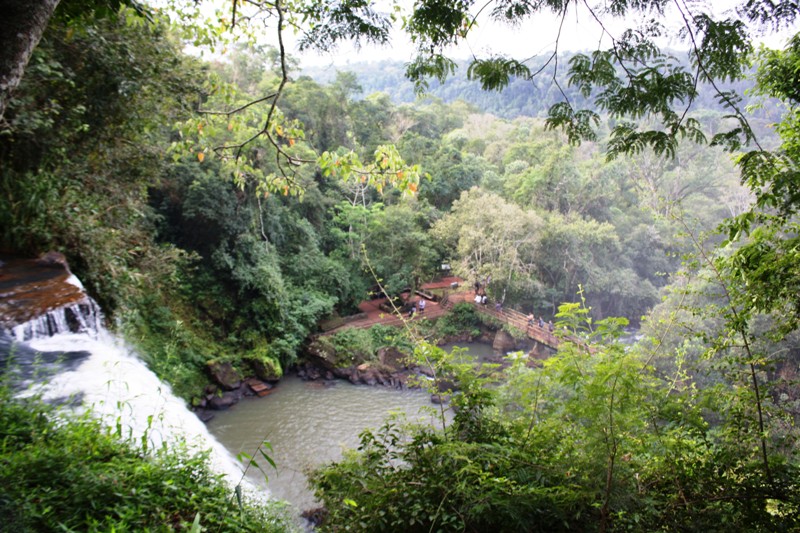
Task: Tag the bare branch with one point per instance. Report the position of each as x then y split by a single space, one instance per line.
238 109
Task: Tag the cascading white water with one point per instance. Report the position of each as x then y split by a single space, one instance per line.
114 383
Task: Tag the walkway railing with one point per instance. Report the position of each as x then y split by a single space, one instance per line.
520 321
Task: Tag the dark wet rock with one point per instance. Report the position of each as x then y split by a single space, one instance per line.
316 516
53 260
313 373
226 400
438 399
224 375
204 415
503 342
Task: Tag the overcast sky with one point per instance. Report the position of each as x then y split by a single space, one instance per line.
535 37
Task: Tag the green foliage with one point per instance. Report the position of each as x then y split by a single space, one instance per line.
65 472
461 318
348 20
399 338
631 79
264 364
592 440
353 346
80 147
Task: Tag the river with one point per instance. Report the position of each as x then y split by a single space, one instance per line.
308 424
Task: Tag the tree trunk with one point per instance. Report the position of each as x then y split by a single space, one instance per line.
21 26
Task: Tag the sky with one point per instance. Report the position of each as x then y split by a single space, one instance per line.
536 37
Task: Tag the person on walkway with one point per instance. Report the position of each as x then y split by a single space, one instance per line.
541 322
412 310
421 306
530 319
550 326
498 307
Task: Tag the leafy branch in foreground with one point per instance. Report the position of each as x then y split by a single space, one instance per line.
631 78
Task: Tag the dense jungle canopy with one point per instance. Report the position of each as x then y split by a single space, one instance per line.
220 206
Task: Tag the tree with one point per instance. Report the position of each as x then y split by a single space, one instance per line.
633 79
398 249
24 23
493 240
21 29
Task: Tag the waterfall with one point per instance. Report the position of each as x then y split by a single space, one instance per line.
81 316
93 368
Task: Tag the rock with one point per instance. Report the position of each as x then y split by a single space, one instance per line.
321 353
53 260
204 415
392 357
316 517
345 373
372 376
265 368
445 385
426 371
224 375
438 399
313 373
225 401
199 402
503 342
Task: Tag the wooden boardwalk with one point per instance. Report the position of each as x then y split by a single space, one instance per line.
373 315
518 320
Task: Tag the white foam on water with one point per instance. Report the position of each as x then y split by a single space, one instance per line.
119 388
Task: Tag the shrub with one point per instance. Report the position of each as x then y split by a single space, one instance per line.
462 318
263 364
60 472
353 346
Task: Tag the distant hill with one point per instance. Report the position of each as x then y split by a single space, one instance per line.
520 98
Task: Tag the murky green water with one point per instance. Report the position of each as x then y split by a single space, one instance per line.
308 423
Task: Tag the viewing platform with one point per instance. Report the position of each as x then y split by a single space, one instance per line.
452 292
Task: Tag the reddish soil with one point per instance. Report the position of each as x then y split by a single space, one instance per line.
376 315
